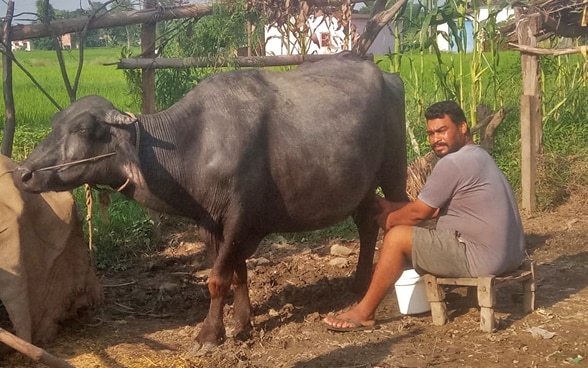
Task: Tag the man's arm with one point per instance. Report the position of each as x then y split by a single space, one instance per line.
403 213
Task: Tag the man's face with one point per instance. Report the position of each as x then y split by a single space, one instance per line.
444 136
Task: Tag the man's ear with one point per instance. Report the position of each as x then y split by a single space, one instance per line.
463 127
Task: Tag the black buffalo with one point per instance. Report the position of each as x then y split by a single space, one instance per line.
245 153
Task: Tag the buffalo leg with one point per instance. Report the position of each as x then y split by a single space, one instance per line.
242 303
212 332
368 229
229 268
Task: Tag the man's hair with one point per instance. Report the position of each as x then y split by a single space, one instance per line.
439 109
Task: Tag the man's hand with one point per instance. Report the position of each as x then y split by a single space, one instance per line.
383 208
382 211
390 214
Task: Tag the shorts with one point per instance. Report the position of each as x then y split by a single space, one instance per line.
439 252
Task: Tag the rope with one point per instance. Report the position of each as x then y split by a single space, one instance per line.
88 191
103 194
584 51
77 162
137 130
87 188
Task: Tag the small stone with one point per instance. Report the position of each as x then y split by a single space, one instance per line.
168 287
339 262
339 250
259 261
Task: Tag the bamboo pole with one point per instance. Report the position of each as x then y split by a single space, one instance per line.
148 35
541 51
160 13
32 351
241 61
9 109
59 27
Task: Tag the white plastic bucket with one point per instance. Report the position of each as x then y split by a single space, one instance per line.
411 293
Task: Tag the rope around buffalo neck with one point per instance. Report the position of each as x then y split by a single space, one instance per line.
103 194
87 189
89 200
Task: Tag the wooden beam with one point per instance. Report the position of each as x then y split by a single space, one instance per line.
241 61
530 112
160 13
531 118
9 110
541 51
148 35
59 27
32 351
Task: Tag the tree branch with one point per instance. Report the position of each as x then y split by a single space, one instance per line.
59 27
541 51
378 20
242 61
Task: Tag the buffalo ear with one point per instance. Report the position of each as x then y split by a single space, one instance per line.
115 117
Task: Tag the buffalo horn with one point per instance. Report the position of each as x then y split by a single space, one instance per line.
116 117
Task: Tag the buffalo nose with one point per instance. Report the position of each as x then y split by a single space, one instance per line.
24 174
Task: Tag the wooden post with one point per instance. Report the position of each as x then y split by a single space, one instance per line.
529 291
436 296
531 117
10 124
32 351
148 52
486 299
249 35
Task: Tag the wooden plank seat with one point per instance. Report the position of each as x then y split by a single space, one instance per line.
486 289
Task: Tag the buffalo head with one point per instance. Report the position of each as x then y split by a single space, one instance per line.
85 142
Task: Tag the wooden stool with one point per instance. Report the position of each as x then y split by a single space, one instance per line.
486 289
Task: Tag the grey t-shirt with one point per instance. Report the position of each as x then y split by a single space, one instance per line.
476 200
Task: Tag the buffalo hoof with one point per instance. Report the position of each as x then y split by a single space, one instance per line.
239 333
199 350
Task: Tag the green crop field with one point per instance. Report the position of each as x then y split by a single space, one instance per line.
34 109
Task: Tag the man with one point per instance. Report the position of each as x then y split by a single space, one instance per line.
478 232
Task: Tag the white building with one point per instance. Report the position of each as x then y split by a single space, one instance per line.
482 15
21 45
325 36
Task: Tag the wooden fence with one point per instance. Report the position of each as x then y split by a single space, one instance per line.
528 25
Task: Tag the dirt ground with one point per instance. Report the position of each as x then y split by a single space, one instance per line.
153 310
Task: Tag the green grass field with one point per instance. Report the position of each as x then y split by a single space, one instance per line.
34 110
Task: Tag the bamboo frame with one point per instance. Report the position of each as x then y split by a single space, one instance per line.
541 51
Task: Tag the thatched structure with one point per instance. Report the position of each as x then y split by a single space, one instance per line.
563 18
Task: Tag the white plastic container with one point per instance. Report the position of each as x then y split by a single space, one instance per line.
411 293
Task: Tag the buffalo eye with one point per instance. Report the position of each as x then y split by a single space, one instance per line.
83 129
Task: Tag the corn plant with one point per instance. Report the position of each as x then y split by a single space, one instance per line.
568 72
